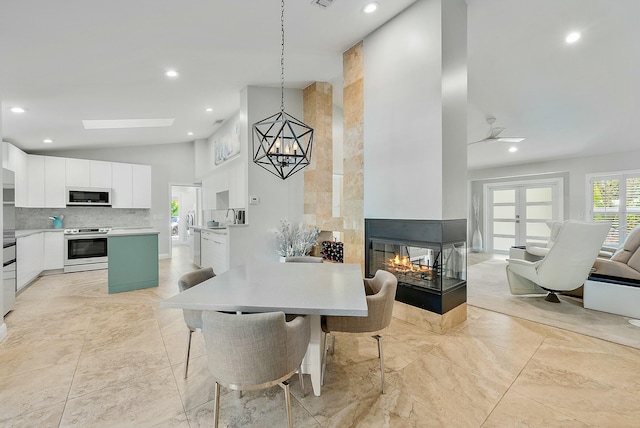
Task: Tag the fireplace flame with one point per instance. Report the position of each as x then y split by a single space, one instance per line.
404 264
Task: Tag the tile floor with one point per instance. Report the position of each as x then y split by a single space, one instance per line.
76 356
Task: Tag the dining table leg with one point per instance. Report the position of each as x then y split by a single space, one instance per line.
312 363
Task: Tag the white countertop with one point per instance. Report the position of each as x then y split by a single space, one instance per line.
209 228
26 232
131 232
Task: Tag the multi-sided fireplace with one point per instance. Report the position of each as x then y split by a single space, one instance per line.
428 257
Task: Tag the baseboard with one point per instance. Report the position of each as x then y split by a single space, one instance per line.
3 331
163 256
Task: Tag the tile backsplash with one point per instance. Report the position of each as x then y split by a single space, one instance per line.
74 217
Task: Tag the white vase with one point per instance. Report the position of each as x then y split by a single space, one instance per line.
476 241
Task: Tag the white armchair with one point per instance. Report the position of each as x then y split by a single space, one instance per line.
566 265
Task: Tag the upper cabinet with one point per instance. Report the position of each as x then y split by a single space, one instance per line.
88 173
41 181
55 191
141 185
45 182
35 181
100 173
78 172
131 185
121 187
17 161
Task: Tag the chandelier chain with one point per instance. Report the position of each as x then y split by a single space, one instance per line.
282 57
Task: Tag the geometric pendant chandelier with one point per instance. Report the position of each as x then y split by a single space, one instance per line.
281 143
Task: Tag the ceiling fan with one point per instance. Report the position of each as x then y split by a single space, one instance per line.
494 134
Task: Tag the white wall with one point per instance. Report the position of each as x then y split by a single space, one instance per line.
408 91
279 199
454 108
205 154
170 163
577 169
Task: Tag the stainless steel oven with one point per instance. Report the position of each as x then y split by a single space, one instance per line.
85 249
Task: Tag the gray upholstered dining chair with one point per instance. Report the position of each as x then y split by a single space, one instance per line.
380 293
253 351
193 318
303 259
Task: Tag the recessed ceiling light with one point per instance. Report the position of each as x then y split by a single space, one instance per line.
172 73
572 37
513 149
17 110
371 7
189 133
208 109
47 141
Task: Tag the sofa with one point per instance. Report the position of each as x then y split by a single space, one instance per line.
614 286
625 261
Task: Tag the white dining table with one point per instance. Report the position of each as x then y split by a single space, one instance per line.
312 289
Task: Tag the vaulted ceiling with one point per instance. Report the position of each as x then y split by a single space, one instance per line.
76 60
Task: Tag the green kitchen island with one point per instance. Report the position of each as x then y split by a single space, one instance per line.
133 259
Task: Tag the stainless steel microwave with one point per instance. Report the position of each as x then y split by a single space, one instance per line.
88 196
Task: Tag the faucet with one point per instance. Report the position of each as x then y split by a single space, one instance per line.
234 215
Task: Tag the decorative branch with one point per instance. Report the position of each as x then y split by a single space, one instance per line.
296 240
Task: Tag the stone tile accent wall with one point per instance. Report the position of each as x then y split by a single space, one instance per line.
318 176
74 217
353 187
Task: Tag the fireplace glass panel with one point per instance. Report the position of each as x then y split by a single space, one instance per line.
432 267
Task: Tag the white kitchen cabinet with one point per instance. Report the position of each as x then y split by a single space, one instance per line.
78 172
46 182
55 194
141 186
88 173
19 160
100 174
121 185
35 181
213 251
131 185
29 258
220 253
10 156
206 249
53 257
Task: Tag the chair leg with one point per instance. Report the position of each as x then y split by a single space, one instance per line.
333 343
287 397
324 359
301 379
379 339
552 297
186 358
216 404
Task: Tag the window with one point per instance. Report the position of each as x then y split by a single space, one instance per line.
616 197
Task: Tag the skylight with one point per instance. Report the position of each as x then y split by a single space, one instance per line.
126 123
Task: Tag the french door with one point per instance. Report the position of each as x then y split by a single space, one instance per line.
517 212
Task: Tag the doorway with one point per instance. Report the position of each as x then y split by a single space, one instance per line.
517 212
185 213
